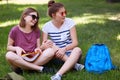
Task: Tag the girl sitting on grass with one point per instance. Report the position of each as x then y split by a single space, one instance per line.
62 32
25 38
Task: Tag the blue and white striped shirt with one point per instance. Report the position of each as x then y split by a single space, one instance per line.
60 36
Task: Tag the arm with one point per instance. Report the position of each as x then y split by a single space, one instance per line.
73 35
16 49
38 48
61 51
38 43
10 46
44 37
45 42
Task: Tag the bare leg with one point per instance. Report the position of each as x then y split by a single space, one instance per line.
46 56
71 61
17 61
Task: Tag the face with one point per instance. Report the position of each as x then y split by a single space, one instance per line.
31 19
60 15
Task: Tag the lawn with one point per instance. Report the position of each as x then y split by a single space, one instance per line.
97 21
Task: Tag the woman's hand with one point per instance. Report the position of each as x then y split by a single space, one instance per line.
60 53
38 50
19 51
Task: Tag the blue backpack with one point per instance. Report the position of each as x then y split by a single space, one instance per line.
98 59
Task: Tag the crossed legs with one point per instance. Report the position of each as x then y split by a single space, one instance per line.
17 61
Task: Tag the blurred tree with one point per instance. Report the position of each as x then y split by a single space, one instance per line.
113 1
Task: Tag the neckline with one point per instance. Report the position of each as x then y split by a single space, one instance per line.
58 28
23 31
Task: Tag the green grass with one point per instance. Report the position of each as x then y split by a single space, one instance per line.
97 22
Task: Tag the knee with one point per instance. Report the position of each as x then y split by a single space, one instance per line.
49 52
10 56
78 51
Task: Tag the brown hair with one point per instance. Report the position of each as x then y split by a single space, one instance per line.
53 7
25 13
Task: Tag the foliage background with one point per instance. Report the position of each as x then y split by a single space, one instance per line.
97 21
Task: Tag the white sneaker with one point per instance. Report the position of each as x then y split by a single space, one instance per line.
56 77
79 67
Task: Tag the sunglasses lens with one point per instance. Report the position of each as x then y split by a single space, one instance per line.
63 13
34 17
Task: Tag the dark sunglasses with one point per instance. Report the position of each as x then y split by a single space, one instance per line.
63 13
34 17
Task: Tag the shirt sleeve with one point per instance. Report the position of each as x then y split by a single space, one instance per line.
38 33
71 23
12 33
45 29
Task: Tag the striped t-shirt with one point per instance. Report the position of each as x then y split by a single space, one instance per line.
60 36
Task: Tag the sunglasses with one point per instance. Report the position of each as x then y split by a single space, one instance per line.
63 13
34 17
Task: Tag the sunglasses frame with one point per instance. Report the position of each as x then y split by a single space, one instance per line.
62 13
34 16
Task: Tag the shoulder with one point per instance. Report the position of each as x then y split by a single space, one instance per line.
13 32
14 29
68 20
47 24
37 30
69 23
